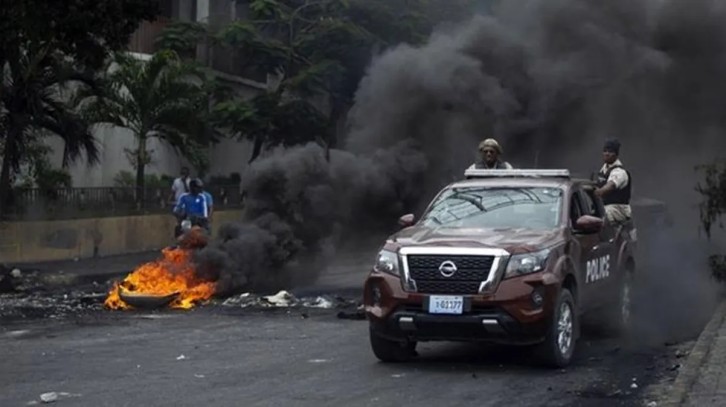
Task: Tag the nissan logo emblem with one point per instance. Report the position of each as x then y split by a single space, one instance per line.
447 268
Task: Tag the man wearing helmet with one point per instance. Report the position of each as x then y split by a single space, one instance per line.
490 151
194 205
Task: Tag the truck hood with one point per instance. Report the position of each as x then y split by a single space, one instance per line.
511 240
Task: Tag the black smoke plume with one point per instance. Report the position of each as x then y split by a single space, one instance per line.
551 79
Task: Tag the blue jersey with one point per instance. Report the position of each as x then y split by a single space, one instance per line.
193 205
210 201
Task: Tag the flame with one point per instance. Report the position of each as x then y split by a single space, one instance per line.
173 273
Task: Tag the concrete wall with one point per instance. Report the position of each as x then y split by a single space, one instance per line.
230 155
113 141
29 242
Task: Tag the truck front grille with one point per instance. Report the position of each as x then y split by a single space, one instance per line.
448 287
471 271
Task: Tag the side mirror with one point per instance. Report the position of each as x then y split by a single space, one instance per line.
589 224
407 220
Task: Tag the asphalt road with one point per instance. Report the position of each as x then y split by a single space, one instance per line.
57 338
246 357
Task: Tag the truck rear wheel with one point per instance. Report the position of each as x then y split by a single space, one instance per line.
390 351
618 318
559 345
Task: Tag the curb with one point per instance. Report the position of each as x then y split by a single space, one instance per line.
675 394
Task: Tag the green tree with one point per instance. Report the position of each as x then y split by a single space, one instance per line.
316 48
162 98
713 193
43 47
712 208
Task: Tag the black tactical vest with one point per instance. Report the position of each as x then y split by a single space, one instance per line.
616 196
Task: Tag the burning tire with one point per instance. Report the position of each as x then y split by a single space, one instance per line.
146 301
392 351
559 345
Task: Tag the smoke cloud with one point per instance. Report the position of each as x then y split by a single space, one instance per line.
550 79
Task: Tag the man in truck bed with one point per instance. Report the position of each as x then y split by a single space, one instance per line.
614 184
505 256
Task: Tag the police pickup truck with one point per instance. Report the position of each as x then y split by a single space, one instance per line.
504 256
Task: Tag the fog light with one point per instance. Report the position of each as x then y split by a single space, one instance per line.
537 297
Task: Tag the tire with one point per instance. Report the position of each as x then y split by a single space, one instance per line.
618 320
389 351
559 345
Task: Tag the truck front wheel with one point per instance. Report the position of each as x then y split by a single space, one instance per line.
559 345
390 351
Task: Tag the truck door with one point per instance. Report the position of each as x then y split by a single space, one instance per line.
602 262
584 252
607 249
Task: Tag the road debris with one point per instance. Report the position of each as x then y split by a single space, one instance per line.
49 397
52 396
50 305
8 280
18 333
285 299
281 299
358 314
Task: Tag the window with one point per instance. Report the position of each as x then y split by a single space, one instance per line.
510 208
589 202
575 211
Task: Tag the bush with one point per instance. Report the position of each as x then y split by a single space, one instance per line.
126 179
712 207
220 180
718 267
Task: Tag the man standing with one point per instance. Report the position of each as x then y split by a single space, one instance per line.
490 150
193 205
208 197
180 185
614 184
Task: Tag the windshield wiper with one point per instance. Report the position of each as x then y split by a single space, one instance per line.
435 219
468 198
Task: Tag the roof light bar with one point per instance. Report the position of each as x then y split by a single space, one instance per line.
514 173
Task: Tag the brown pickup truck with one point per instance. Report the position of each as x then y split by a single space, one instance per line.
504 256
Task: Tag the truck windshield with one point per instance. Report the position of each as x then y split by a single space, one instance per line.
530 208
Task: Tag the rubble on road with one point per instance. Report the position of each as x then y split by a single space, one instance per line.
9 279
55 296
55 305
285 299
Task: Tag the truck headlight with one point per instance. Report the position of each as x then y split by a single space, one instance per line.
527 263
387 262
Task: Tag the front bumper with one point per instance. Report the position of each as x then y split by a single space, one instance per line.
507 316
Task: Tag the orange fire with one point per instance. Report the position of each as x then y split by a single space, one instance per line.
173 273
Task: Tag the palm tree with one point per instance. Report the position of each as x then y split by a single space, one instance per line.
33 105
160 98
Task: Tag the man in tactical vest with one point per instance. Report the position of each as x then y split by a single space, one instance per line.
614 184
490 150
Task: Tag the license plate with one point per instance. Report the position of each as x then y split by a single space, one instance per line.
446 304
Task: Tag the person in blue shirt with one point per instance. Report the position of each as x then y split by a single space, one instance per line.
194 204
207 195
